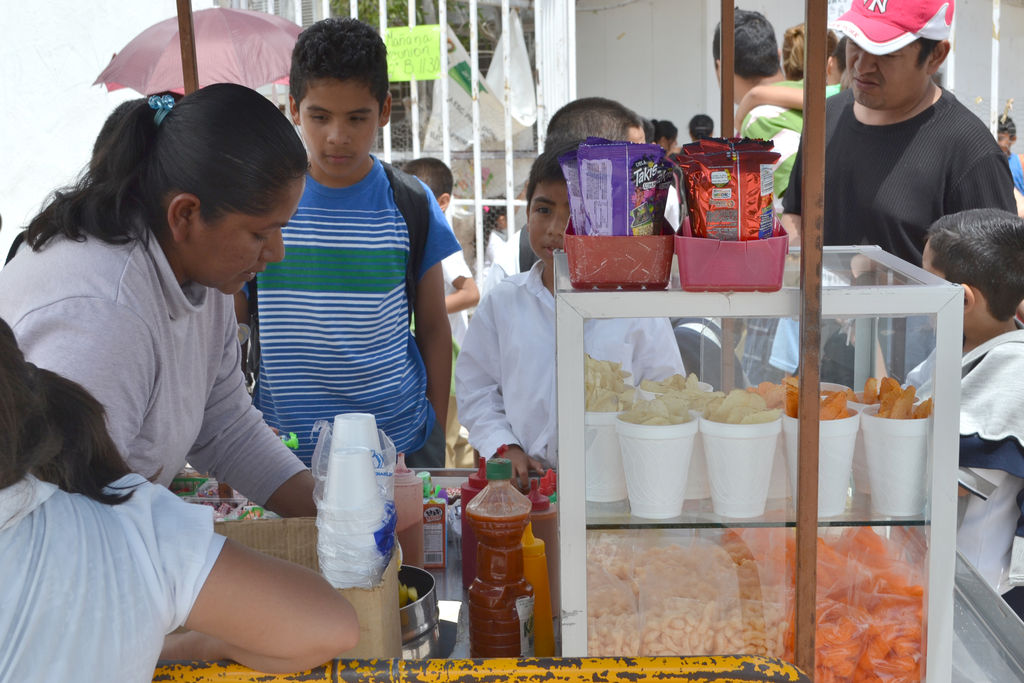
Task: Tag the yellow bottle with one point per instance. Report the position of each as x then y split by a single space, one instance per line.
535 569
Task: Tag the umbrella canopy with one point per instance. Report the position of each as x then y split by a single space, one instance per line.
232 46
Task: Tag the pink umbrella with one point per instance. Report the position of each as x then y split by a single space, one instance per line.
232 46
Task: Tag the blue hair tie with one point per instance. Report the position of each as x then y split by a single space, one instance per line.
163 105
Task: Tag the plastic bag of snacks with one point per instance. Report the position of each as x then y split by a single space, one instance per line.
729 188
617 188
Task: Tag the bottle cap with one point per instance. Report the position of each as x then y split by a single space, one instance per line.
549 482
539 501
478 479
532 546
401 467
498 469
427 484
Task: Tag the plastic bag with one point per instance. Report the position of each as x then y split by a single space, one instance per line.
354 554
613 624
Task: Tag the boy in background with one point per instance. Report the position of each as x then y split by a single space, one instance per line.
334 315
983 251
505 374
460 294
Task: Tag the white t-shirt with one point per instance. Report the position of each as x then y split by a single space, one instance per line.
90 590
453 267
505 373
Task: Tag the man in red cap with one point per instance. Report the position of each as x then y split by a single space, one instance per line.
900 151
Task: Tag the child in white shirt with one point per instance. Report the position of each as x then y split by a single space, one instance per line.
99 565
505 374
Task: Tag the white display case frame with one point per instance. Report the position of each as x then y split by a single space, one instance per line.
925 294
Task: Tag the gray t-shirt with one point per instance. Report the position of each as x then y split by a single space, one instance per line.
162 358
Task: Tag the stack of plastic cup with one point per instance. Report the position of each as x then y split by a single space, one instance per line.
351 514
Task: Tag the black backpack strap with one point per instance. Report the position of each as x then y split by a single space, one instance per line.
414 205
18 239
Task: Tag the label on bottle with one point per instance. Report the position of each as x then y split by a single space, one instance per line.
524 608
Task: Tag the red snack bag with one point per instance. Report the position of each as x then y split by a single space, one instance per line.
729 188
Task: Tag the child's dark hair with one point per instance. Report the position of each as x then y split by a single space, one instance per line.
664 129
546 168
701 126
757 52
225 143
433 172
591 116
983 248
1006 125
341 48
53 429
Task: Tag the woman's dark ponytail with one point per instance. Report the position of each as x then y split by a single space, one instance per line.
226 144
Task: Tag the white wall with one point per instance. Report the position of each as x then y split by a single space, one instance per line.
655 55
973 63
50 112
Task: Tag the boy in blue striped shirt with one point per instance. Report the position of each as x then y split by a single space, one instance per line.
334 315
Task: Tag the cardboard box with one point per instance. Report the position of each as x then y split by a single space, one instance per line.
380 634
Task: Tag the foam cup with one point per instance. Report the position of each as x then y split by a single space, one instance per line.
353 430
836 440
697 487
605 480
739 459
656 460
351 486
897 459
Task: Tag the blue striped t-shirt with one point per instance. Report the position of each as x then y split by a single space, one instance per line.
334 326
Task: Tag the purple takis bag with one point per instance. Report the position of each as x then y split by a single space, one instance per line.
621 184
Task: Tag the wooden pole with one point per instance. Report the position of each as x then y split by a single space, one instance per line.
727 60
813 194
187 37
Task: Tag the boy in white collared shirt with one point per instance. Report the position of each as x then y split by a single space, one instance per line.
505 374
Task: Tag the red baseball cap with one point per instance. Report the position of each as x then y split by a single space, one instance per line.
884 26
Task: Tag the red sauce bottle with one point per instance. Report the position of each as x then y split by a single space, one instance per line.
500 599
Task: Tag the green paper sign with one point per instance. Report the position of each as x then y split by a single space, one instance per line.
414 52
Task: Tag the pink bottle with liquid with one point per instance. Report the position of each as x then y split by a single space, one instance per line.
474 485
409 508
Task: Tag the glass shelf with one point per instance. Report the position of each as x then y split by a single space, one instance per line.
697 514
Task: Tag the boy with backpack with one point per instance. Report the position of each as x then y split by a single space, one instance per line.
363 254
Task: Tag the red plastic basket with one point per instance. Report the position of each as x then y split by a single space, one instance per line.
619 262
710 265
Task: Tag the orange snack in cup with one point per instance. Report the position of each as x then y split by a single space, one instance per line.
887 386
833 406
870 391
903 407
923 409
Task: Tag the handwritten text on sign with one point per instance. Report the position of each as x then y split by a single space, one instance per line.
414 52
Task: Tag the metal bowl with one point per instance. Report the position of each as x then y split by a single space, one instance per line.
421 638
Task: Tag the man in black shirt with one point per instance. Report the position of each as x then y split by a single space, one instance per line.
900 151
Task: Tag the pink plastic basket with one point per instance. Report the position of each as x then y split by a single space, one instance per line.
710 265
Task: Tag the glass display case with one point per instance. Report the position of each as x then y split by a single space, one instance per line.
717 577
